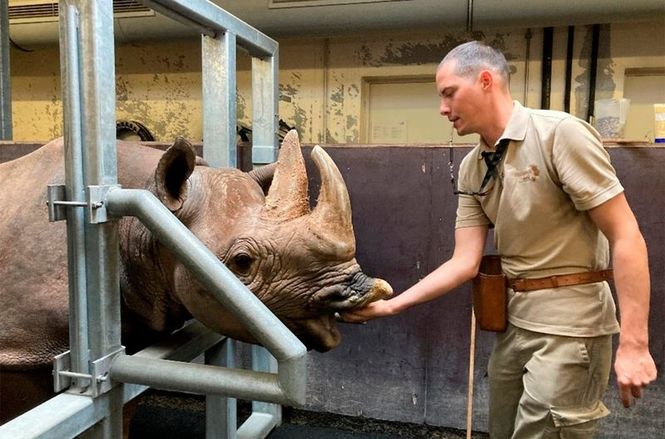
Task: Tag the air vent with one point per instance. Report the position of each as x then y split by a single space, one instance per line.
276 4
35 12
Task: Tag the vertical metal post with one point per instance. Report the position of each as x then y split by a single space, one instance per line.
75 190
265 91
97 75
218 63
265 94
5 75
264 362
219 100
221 413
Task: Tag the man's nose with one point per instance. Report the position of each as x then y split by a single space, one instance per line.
444 109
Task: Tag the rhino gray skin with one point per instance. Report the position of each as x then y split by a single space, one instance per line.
298 262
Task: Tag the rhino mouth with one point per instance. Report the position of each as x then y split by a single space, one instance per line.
359 291
320 333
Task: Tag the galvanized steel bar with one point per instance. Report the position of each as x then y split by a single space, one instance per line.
157 7
99 168
63 416
74 188
199 378
265 92
219 100
207 15
258 425
97 76
221 412
5 75
264 362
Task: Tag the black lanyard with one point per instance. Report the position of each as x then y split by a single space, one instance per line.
492 160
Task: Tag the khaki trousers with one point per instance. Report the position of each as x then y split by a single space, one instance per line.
547 386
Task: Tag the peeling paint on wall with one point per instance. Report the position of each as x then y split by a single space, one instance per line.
159 83
605 82
410 52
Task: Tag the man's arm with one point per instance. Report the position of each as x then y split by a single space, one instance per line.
634 365
461 267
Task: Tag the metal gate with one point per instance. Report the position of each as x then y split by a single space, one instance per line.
96 367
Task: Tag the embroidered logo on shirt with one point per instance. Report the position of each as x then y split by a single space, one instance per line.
531 173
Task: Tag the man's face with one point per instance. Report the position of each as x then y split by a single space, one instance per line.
460 99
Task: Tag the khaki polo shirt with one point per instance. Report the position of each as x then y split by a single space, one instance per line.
554 170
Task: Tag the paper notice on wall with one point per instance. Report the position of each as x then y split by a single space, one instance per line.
659 113
389 132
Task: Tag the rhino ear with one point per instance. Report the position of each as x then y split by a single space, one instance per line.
173 170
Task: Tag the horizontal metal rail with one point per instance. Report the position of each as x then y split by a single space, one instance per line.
210 20
287 386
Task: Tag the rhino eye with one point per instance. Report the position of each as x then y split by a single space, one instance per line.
242 261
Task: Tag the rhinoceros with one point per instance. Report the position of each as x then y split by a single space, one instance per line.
300 262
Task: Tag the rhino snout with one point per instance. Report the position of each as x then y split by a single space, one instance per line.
358 291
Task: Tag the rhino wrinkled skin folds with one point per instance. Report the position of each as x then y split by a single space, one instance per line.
299 262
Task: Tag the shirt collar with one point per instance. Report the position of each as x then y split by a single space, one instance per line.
515 130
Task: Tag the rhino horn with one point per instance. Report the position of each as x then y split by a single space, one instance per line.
287 198
173 170
331 218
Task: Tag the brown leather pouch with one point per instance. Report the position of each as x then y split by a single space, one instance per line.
490 301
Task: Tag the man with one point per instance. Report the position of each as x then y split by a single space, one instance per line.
557 209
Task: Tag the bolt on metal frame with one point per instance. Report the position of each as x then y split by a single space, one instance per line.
96 364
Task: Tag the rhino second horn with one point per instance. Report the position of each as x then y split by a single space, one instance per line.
331 218
287 197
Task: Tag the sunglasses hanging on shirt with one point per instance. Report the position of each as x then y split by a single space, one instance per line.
492 160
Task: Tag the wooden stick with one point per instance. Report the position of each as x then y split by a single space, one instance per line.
472 361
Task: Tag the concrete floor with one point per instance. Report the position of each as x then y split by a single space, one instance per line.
166 415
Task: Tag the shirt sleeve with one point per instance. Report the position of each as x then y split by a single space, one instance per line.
469 210
469 213
583 165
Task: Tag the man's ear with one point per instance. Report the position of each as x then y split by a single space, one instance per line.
486 79
173 170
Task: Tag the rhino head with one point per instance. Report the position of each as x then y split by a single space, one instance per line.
299 262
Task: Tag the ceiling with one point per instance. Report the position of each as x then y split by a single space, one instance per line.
324 18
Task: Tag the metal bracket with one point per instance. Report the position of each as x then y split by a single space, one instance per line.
101 369
61 377
56 201
93 384
96 195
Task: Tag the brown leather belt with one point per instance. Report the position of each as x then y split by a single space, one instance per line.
562 280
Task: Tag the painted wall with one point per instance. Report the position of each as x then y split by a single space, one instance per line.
321 80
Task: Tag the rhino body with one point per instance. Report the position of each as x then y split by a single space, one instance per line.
299 262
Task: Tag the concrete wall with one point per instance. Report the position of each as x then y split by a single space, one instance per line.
321 80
